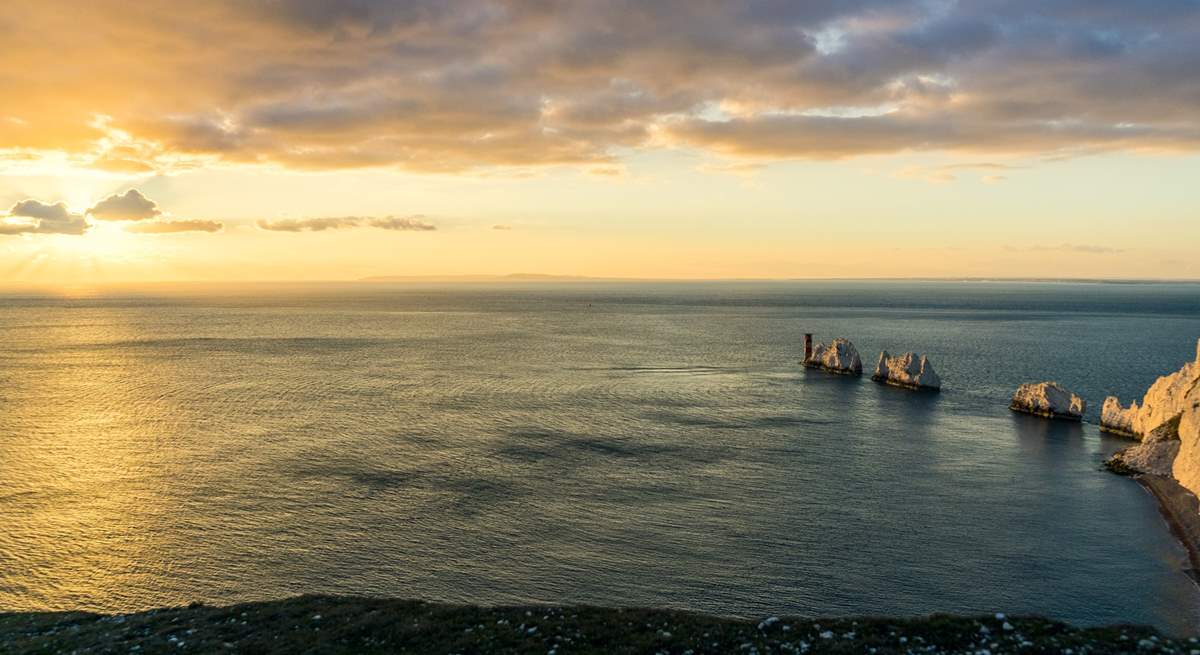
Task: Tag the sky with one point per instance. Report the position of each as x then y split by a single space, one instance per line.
336 140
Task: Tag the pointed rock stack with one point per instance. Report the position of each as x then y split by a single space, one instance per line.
910 370
838 357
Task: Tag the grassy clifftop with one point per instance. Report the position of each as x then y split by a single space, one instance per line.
325 624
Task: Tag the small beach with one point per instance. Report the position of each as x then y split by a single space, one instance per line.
1181 511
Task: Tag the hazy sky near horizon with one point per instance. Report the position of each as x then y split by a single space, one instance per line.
310 139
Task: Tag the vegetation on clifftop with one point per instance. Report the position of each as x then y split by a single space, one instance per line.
324 624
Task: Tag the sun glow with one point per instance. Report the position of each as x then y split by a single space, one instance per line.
108 241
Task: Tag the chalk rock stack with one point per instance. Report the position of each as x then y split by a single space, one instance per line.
1048 399
909 370
1167 424
838 357
1117 419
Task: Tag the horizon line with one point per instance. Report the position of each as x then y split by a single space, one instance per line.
553 278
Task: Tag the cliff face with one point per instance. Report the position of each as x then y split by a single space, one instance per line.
1165 402
907 370
1168 422
1048 399
838 357
1187 463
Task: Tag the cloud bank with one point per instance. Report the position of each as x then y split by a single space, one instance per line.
415 223
434 86
173 227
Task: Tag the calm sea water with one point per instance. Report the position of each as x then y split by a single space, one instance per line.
582 443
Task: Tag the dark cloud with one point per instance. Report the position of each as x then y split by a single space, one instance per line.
57 212
415 223
172 227
437 86
36 217
129 206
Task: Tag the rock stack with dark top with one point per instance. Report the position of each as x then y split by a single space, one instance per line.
909 370
1049 400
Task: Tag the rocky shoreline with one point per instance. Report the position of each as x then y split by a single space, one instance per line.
333 624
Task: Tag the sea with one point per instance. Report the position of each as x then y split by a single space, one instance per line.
605 443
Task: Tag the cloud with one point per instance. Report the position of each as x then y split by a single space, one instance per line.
130 206
309 224
171 227
1075 247
949 172
402 223
501 226
36 217
481 84
415 223
57 212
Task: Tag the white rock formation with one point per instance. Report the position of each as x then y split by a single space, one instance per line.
1049 400
1187 464
909 370
1163 405
1170 413
838 357
1117 419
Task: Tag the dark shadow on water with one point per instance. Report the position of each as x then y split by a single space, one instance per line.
1045 435
913 403
818 376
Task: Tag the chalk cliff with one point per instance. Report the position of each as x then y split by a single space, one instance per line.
1048 399
908 370
1165 402
1168 424
1187 464
838 357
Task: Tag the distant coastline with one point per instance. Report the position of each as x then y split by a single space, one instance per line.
24 286
550 277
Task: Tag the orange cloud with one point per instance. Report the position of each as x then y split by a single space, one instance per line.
428 86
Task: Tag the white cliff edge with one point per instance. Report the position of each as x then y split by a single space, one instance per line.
1049 400
838 357
1168 426
909 370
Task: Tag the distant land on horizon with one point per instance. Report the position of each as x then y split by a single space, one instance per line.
550 277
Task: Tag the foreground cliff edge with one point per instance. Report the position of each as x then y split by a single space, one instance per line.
330 624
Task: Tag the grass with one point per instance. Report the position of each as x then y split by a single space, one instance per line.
330 624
